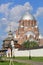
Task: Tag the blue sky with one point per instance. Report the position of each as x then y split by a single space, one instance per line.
12 10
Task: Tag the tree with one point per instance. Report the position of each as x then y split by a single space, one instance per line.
30 44
26 44
34 44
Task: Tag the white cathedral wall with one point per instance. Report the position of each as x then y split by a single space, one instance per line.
32 53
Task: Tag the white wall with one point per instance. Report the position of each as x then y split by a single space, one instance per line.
33 53
37 52
22 53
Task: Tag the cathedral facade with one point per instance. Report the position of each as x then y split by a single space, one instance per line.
27 30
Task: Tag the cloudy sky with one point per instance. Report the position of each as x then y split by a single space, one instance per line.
11 12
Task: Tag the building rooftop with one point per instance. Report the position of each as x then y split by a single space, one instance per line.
28 16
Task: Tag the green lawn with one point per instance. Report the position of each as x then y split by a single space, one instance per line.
22 58
15 63
40 59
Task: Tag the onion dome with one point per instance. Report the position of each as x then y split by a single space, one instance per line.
28 16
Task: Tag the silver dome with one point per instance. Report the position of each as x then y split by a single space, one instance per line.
28 16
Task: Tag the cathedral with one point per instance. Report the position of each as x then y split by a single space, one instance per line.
27 30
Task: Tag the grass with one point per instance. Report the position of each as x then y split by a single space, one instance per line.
39 59
15 63
4 63
22 58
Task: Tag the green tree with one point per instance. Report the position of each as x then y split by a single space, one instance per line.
30 44
26 44
34 44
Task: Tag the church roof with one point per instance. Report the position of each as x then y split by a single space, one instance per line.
28 16
8 38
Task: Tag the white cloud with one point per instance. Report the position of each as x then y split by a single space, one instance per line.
39 12
4 21
27 6
13 26
4 8
17 11
13 15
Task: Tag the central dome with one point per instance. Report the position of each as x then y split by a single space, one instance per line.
28 16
